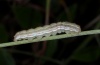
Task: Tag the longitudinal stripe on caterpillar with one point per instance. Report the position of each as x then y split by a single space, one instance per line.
47 30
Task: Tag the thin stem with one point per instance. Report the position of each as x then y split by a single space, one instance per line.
92 22
47 12
50 38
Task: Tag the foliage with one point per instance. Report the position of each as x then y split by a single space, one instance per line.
26 14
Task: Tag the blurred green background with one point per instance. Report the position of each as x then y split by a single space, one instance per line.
17 15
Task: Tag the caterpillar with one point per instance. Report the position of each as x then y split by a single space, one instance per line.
47 30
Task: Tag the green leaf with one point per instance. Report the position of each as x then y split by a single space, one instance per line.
6 58
88 54
55 6
73 9
62 16
37 18
27 17
51 48
23 15
3 34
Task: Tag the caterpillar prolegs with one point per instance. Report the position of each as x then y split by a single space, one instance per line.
47 30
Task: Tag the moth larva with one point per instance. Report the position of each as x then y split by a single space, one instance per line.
47 30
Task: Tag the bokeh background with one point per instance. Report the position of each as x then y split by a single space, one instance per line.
17 15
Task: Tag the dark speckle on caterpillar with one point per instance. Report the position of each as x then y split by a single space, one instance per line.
47 30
